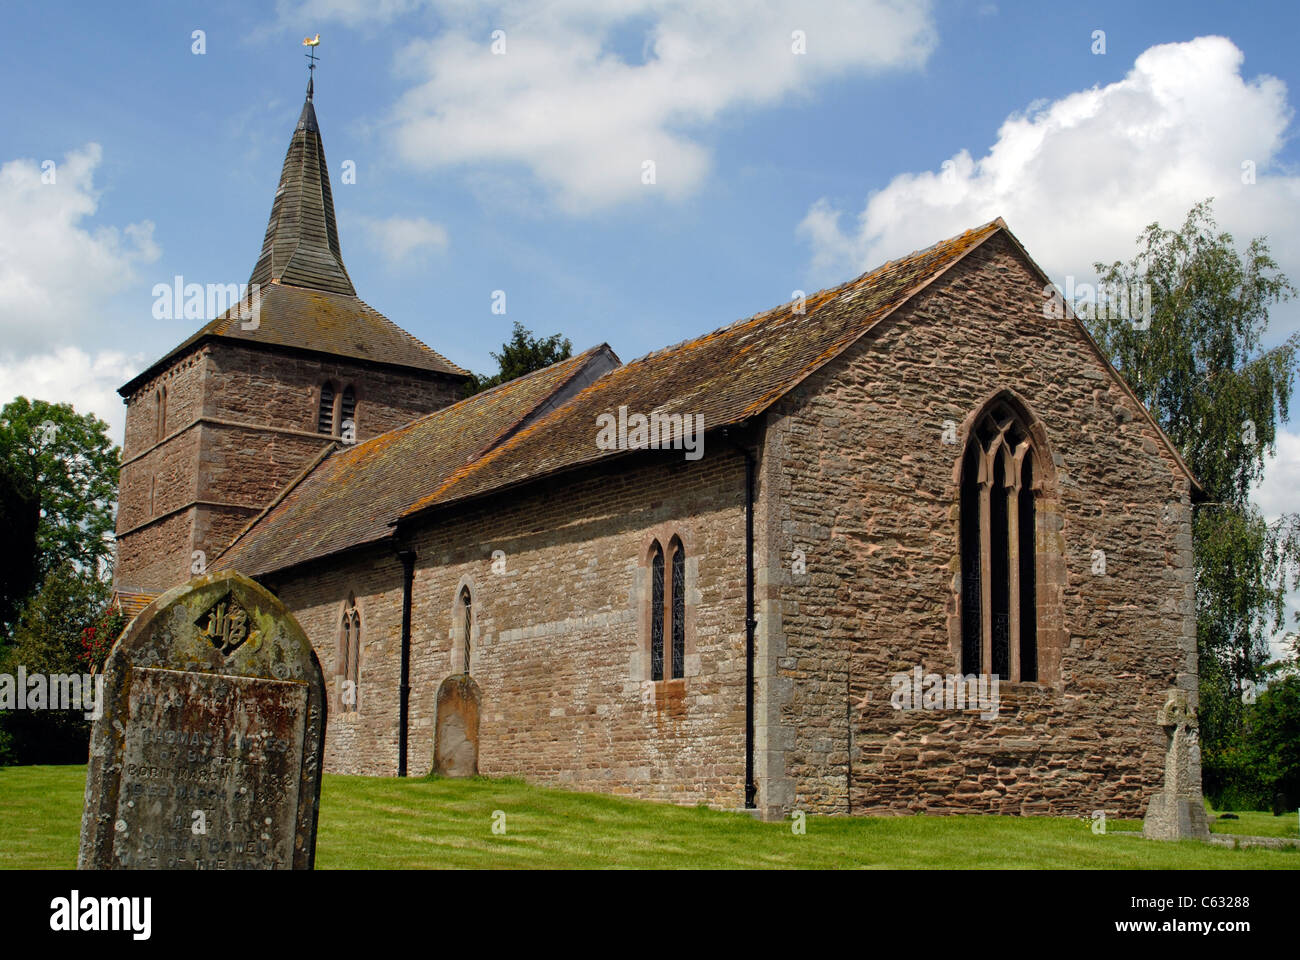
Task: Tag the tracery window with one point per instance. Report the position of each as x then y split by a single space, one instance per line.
667 611
999 610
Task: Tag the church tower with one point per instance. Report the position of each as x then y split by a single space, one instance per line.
219 425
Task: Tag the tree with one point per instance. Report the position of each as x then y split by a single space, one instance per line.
521 354
48 639
1273 751
1196 361
58 481
20 514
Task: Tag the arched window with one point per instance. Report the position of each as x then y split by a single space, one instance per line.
678 607
999 609
325 416
656 612
349 663
347 413
667 611
467 626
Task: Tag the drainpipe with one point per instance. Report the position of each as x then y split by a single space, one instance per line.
751 788
407 556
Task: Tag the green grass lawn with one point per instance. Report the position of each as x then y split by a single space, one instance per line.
387 822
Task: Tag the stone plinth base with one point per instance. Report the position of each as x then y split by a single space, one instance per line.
1175 818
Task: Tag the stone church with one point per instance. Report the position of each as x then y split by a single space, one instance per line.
920 476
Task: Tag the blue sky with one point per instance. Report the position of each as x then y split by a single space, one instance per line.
521 171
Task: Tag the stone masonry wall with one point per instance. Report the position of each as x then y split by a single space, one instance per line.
240 424
248 385
158 554
558 641
859 478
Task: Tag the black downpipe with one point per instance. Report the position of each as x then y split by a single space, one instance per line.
751 787
407 556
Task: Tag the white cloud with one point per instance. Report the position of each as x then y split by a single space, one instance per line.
71 375
1277 492
587 91
400 237
56 269
1079 177
58 272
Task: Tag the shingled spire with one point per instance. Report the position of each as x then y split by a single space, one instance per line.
302 239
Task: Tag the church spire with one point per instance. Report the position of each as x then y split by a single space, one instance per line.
301 247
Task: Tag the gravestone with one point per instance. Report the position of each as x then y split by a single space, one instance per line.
455 737
1177 812
208 750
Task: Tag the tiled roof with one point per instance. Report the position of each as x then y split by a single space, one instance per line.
727 376
352 496
331 323
129 603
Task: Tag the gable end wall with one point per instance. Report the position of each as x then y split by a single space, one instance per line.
858 477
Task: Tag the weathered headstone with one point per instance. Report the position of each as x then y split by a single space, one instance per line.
208 751
1177 812
455 737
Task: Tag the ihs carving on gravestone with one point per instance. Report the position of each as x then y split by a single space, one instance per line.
1177 811
225 624
208 754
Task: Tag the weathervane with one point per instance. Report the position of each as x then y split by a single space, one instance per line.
311 43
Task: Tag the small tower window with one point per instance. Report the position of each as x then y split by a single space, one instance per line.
348 414
325 418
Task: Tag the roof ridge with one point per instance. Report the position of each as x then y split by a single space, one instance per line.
823 297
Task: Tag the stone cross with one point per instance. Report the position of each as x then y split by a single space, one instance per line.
1177 811
208 751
